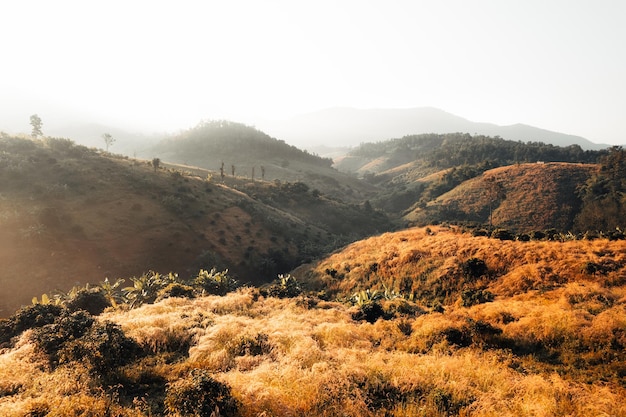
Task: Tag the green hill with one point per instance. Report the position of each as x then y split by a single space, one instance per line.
237 150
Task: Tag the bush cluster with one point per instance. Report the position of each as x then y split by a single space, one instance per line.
199 394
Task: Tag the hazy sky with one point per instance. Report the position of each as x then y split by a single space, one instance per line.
165 65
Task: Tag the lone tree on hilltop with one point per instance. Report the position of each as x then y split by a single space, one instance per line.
108 140
36 123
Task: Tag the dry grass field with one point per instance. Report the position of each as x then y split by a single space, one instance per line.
467 326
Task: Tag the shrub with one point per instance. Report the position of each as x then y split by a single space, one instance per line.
29 317
537 235
215 283
502 234
286 286
146 287
92 300
199 395
474 268
176 289
470 297
369 312
103 348
65 328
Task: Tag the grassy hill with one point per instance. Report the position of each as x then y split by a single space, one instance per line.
431 152
71 215
465 326
521 198
249 153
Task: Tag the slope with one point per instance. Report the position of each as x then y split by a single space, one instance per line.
493 328
521 198
237 150
71 215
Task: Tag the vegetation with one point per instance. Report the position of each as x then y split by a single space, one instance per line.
534 328
36 123
118 217
519 312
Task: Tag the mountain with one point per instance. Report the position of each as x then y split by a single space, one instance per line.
350 127
73 215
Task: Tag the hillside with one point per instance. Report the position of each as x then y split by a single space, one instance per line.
414 171
521 198
466 326
243 151
351 127
429 152
71 215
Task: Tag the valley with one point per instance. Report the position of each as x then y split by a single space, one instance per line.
233 274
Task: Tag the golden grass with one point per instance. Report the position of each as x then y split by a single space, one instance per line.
556 346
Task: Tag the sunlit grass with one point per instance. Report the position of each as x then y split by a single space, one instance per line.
551 343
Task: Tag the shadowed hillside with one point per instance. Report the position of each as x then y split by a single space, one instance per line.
71 215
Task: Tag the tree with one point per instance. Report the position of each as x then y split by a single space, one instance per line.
108 140
156 162
35 122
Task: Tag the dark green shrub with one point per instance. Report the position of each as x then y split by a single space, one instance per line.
66 328
502 234
470 297
215 283
286 286
474 268
480 232
29 317
103 348
459 337
369 312
92 300
537 235
199 395
176 289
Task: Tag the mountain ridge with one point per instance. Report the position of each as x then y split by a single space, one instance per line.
347 126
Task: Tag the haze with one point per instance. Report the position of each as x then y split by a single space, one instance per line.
164 66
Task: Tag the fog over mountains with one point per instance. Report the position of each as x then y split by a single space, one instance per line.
324 132
344 126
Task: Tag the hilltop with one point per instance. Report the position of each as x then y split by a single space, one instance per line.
425 321
73 215
239 150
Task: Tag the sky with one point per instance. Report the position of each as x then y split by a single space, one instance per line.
167 65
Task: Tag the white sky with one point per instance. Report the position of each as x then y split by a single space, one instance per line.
165 65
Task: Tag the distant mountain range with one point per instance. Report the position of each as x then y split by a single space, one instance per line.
343 126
